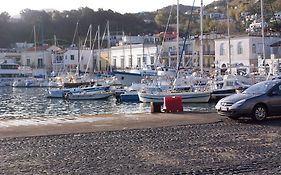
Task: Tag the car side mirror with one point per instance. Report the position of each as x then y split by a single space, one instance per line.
273 93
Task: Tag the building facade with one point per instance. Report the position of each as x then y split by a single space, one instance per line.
244 51
133 56
39 59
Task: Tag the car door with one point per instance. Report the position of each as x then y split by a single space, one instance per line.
274 100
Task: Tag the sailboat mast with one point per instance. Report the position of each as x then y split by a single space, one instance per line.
262 33
98 57
228 36
35 44
108 44
90 28
178 60
34 33
201 38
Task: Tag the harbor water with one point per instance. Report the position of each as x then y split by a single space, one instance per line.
32 103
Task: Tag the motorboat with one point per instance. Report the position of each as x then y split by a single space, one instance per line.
84 95
60 92
187 96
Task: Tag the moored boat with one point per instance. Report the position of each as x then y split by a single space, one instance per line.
60 92
97 95
129 96
187 97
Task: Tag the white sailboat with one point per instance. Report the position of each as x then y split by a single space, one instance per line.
191 96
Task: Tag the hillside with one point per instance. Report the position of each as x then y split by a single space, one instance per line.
62 24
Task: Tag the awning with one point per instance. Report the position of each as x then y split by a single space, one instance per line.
277 44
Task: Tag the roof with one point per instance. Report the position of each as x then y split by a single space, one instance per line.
277 44
38 48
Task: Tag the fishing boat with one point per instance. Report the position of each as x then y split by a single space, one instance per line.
84 95
129 96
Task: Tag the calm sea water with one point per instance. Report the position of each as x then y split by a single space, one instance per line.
28 103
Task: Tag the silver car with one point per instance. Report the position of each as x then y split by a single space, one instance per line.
258 101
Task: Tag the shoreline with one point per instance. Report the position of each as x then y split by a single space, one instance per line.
104 122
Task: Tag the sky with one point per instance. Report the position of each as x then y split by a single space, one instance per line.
13 7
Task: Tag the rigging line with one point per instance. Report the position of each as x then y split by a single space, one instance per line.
186 36
164 36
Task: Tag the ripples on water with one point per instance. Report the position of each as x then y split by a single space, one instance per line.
26 103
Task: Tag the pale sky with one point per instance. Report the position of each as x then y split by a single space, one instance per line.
13 7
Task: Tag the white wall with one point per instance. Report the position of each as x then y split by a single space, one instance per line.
86 59
146 54
46 56
247 57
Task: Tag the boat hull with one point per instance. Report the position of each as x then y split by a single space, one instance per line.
187 97
60 92
88 95
127 79
129 97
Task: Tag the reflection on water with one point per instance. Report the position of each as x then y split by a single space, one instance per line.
19 103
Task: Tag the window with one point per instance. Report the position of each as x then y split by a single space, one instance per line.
254 48
204 49
139 61
239 48
130 61
231 49
144 60
28 62
152 59
222 49
114 62
65 57
72 57
122 62
209 49
40 63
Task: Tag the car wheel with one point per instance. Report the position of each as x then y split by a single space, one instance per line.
259 113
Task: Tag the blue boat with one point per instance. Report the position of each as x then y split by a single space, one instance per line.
129 96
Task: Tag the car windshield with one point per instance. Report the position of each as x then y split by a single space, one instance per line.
259 88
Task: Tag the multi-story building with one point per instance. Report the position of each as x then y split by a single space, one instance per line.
79 59
245 51
133 56
141 55
39 59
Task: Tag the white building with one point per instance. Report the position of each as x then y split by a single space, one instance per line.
245 51
133 56
82 60
39 59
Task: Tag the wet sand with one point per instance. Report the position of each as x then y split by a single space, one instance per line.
93 123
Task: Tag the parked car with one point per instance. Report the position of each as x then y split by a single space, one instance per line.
258 101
